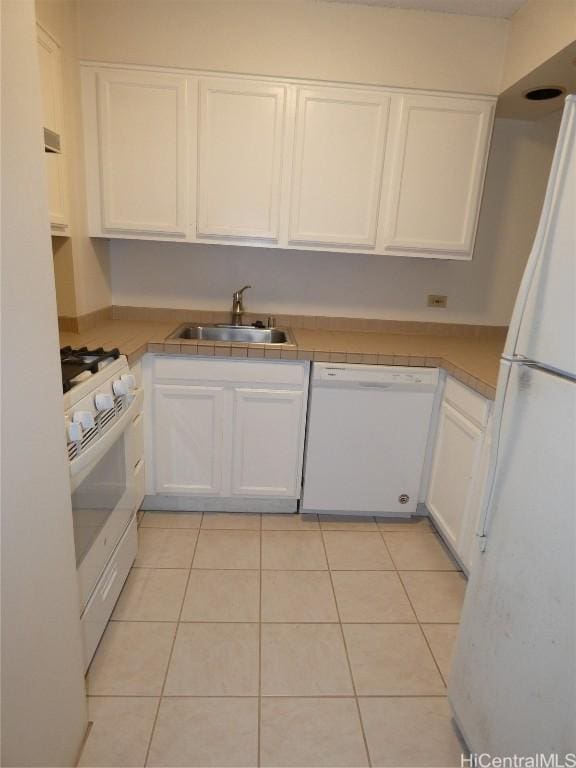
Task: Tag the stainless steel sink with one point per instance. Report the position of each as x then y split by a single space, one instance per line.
237 333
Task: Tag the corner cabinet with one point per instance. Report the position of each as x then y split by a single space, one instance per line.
436 177
459 467
225 434
286 164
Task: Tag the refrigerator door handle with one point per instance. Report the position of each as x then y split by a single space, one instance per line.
488 495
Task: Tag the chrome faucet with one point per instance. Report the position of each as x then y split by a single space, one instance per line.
237 306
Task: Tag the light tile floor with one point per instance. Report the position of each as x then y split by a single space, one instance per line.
278 640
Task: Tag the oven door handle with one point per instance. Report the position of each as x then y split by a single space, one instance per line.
81 466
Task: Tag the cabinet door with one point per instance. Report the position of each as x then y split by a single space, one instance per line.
49 61
57 189
456 457
268 442
240 150
143 152
188 439
438 166
337 176
468 543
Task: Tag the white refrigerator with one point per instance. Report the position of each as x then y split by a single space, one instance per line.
513 681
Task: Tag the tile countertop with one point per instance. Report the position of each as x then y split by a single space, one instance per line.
471 360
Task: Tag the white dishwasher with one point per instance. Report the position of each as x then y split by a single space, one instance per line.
367 433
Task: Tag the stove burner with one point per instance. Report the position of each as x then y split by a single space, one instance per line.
79 361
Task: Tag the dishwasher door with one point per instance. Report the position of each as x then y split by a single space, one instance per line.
367 434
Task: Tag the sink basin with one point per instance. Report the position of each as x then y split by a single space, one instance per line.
238 333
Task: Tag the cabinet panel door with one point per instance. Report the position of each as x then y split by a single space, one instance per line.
268 442
143 152
188 432
456 458
337 176
468 544
57 198
438 167
240 149
49 61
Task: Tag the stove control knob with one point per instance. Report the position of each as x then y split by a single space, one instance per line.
85 419
130 380
103 402
119 387
74 431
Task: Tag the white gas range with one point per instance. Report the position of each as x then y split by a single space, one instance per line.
99 407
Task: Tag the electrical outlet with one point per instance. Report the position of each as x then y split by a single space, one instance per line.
435 300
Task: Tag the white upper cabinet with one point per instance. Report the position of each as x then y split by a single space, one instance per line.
337 170
241 131
51 84
283 164
438 162
142 118
49 61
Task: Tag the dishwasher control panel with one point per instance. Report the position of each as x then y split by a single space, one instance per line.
377 376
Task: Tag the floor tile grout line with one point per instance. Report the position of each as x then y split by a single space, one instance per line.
259 715
171 651
418 622
300 570
270 696
424 633
343 636
277 621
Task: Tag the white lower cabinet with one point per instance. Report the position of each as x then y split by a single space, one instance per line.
188 432
469 543
458 467
225 429
266 442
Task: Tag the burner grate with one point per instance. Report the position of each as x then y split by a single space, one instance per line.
78 361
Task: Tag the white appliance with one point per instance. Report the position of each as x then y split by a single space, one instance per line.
513 681
367 432
99 412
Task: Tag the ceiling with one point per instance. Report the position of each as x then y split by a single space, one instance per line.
503 9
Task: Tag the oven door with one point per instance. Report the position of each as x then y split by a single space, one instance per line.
103 499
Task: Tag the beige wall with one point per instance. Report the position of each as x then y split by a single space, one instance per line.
43 705
81 265
481 291
299 38
538 30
